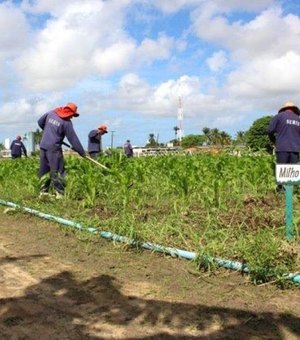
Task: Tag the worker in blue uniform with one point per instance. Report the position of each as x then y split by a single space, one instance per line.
95 141
56 125
17 148
284 132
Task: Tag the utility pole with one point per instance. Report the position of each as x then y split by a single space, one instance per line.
112 139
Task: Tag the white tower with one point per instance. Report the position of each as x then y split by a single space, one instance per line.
180 119
7 143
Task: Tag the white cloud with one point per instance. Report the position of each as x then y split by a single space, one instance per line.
262 60
150 49
267 57
217 61
86 38
133 88
271 77
14 38
116 57
137 95
170 6
57 8
250 39
12 111
87 51
25 111
230 5
14 29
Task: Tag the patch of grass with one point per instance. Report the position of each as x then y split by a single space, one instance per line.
268 258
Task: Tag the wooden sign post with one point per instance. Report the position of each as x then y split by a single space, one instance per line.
288 175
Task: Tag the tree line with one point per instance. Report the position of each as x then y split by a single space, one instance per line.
255 138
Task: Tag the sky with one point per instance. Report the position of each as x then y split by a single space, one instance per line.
128 64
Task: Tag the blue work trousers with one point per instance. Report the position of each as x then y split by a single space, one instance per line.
52 162
94 154
285 157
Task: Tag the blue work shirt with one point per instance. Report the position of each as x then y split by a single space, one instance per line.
55 129
284 129
17 147
94 141
128 149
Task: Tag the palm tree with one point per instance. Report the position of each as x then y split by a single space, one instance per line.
215 136
240 137
37 135
151 140
176 129
225 138
207 133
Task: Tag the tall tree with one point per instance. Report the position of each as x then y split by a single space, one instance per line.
192 141
224 138
215 136
176 129
37 135
207 133
240 137
151 140
257 137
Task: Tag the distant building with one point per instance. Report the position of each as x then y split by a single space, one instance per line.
143 151
5 154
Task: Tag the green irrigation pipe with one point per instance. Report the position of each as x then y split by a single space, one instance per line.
147 245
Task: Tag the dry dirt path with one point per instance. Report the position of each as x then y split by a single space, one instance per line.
55 284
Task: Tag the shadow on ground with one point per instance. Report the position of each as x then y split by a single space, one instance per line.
60 307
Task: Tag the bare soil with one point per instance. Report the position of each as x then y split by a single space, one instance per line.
57 284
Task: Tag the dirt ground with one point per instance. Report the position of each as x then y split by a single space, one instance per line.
57 284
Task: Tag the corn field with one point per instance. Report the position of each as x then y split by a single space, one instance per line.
216 205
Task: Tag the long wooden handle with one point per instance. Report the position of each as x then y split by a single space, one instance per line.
99 164
90 158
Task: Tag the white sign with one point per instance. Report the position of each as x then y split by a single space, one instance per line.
286 173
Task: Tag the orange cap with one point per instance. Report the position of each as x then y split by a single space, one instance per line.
73 108
103 128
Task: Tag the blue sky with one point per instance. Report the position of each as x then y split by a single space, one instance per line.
126 62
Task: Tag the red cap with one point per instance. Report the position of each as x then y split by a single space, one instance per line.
103 128
68 111
73 108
